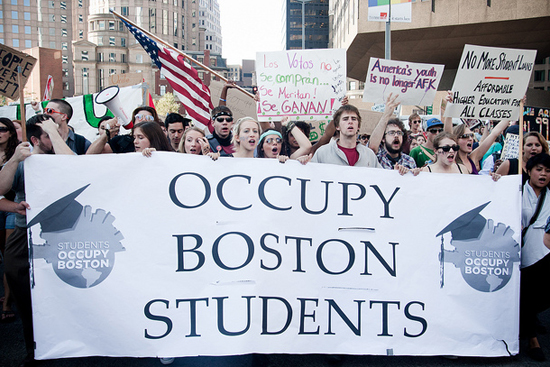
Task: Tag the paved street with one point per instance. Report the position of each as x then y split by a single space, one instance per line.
12 352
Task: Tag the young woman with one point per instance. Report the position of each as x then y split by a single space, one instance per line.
149 137
533 144
295 138
8 142
271 145
535 257
194 141
446 150
246 133
471 158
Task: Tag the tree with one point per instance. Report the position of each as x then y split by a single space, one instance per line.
168 103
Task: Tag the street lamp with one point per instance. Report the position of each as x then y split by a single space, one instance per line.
304 22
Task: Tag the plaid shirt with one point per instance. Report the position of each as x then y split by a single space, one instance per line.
388 163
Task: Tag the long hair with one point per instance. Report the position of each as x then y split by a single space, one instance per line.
541 139
237 129
261 152
153 132
12 140
148 109
181 147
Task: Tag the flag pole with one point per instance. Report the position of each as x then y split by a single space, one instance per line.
150 35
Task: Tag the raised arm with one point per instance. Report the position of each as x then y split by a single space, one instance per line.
378 133
447 121
223 95
59 146
301 138
100 144
484 146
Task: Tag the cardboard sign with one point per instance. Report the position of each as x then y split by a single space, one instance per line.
241 105
125 80
303 84
490 83
416 84
511 148
223 274
10 60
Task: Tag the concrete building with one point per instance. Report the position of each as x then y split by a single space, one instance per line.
439 31
316 24
209 18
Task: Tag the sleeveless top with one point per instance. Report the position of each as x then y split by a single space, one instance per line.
458 165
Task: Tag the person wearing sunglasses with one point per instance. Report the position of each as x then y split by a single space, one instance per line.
61 112
470 157
446 149
424 153
221 137
415 128
345 151
271 145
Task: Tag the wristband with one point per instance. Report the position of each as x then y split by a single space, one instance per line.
290 126
223 100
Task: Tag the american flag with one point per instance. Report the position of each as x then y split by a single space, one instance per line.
183 78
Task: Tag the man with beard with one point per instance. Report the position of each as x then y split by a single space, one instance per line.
43 134
220 139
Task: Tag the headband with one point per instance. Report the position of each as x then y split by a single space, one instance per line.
270 132
222 113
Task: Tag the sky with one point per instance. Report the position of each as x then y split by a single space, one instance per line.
250 26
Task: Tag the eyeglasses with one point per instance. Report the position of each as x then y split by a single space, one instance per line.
49 111
139 116
363 137
222 119
395 132
271 140
447 148
435 131
416 121
466 136
4 129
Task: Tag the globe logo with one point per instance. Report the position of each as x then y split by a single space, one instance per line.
79 244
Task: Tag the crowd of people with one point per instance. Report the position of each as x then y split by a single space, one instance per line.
435 147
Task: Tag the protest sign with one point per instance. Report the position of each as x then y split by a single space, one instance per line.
10 60
490 83
125 80
86 113
379 10
511 147
303 84
241 104
240 256
536 119
416 84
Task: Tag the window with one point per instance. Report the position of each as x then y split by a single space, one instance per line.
65 85
85 83
80 34
27 15
120 27
64 32
63 19
51 4
112 57
64 46
123 42
63 5
65 72
52 44
1 28
123 58
51 17
101 78
124 11
15 42
165 22
27 2
1 41
162 90
175 45
111 25
539 75
100 57
1 14
84 55
81 18
112 72
13 2
101 25
112 41
64 59
139 59
100 41
27 29
175 24
80 3
52 31
14 28
152 20
14 15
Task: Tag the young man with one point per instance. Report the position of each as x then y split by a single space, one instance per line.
415 125
345 151
220 139
387 140
424 153
61 112
176 125
43 134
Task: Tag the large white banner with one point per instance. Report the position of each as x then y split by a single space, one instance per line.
178 255
416 84
490 83
303 84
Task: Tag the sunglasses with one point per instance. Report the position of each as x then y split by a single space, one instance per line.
435 131
416 122
222 119
466 136
395 132
271 140
4 129
144 117
447 148
49 111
